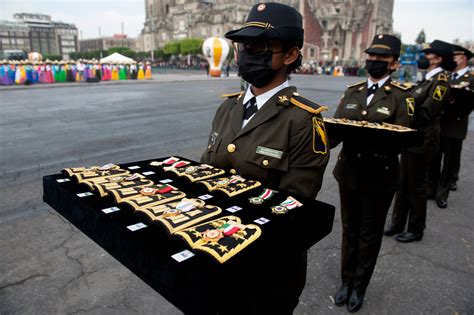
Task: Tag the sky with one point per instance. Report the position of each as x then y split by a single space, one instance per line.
441 19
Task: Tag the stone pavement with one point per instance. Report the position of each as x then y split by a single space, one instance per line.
48 267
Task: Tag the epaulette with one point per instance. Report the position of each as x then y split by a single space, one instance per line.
400 86
306 104
231 95
357 84
442 77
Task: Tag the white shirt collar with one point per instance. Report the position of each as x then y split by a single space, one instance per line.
433 72
379 83
263 98
461 72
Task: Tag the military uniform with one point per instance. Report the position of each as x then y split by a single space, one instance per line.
283 144
454 124
431 97
367 178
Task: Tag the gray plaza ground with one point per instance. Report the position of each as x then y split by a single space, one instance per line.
48 267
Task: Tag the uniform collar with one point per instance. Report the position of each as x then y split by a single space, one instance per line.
379 83
433 72
461 72
263 98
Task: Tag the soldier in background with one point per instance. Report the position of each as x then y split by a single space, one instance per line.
454 123
368 177
431 96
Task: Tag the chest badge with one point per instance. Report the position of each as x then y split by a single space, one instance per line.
351 106
383 110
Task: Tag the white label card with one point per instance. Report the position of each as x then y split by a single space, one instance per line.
205 197
234 209
85 194
136 227
148 173
182 256
134 167
261 221
166 181
62 180
110 210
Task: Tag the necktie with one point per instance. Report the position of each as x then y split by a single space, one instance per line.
250 108
455 76
372 89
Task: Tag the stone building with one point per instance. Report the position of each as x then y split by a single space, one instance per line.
104 43
335 30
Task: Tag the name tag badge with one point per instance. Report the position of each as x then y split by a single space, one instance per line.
269 152
383 110
351 106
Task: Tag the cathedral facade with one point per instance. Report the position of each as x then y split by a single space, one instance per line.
335 30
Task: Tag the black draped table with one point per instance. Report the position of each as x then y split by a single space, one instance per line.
199 284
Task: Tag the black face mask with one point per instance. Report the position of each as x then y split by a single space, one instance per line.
256 69
423 63
376 68
449 65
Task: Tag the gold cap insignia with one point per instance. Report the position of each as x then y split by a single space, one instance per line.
261 7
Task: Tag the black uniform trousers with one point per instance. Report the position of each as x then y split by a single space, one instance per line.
445 167
410 201
363 220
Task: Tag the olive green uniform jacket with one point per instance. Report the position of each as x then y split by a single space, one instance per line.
359 166
284 145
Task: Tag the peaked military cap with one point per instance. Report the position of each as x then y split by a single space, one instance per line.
271 21
459 50
440 48
384 44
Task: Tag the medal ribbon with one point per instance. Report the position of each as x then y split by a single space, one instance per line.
267 194
170 161
291 203
185 206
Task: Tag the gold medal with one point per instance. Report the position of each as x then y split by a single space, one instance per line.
256 200
279 209
147 191
171 213
212 235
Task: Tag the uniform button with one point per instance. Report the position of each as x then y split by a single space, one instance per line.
458 118
364 112
231 148
232 171
265 162
209 146
358 155
386 167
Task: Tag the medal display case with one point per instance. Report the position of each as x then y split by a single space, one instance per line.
182 236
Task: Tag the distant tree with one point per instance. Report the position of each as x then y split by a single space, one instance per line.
123 51
191 46
52 57
421 38
172 48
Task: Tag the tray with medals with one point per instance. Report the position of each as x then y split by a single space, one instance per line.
145 214
366 134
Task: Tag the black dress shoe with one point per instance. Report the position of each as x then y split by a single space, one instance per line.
392 230
441 203
453 186
409 237
355 301
342 296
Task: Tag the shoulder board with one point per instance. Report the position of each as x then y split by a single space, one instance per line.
398 85
442 77
306 104
357 84
231 95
